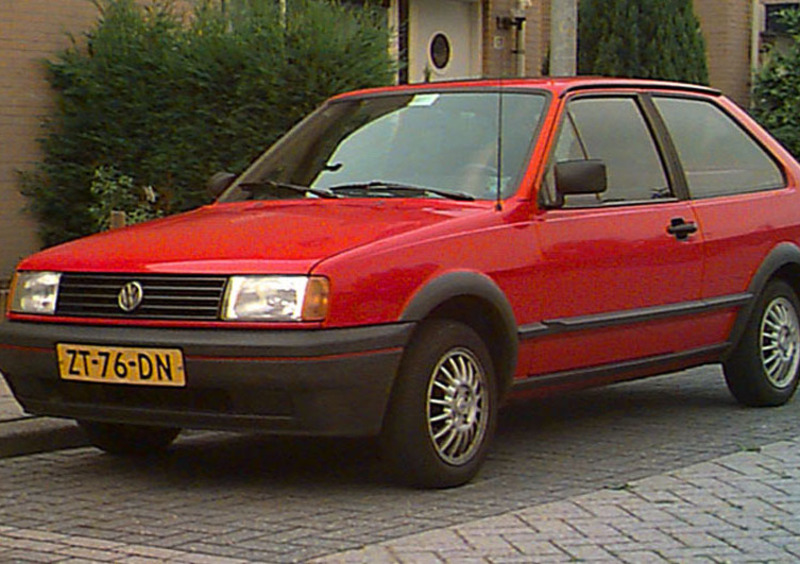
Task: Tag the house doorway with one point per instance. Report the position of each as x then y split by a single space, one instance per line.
443 39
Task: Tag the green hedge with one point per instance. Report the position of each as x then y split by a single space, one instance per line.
166 98
776 92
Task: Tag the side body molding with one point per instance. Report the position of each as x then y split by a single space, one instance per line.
782 257
495 313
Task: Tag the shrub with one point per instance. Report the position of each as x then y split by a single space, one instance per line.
167 98
658 39
776 92
114 191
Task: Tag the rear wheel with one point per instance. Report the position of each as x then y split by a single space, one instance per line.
443 410
763 369
123 439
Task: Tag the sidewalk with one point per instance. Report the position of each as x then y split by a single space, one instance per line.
743 507
21 433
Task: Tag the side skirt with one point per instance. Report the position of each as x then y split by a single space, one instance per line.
628 370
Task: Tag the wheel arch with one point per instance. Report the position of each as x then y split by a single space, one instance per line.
782 262
477 301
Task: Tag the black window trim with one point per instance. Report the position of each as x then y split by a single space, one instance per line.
665 150
673 149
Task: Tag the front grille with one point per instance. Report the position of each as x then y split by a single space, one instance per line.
165 297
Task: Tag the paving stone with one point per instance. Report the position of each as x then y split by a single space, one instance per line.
647 471
488 543
88 553
22 556
368 555
531 545
587 553
206 559
641 556
418 557
138 560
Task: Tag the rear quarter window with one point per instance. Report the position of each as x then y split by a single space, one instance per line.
719 157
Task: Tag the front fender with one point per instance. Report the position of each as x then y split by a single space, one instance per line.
494 310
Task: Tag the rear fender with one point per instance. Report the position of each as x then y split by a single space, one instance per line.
781 258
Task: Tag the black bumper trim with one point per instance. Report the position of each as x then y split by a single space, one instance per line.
290 343
312 382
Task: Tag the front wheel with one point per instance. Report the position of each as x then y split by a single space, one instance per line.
763 368
116 438
444 408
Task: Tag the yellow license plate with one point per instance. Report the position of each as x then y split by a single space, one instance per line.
121 365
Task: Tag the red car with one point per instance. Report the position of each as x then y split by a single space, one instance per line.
406 258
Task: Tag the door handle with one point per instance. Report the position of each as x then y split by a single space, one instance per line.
681 229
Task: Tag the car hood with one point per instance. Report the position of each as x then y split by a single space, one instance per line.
277 236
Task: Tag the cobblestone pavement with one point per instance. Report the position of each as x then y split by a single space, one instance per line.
667 469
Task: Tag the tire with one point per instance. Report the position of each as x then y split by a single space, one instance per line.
116 438
443 410
762 371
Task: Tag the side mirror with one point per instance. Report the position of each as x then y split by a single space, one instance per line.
581 177
218 183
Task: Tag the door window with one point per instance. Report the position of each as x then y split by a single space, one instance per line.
718 156
614 131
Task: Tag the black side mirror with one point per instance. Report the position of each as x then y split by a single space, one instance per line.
581 177
218 183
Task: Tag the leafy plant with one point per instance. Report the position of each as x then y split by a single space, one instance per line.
114 191
776 92
658 39
167 98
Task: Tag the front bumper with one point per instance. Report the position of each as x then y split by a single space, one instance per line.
334 382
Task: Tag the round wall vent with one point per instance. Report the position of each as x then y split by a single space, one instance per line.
440 51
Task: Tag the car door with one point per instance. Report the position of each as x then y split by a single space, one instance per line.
737 188
618 270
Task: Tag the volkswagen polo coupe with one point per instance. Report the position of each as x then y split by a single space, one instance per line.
407 258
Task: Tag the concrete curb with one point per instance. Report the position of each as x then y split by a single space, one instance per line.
22 434
30 435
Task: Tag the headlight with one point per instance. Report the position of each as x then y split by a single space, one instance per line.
35 292
276 298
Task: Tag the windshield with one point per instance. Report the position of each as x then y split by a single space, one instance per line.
443 144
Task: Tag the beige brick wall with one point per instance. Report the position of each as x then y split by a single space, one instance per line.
499 43
30 31
726 28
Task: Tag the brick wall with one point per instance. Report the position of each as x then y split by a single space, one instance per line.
727 31
499 43
30 31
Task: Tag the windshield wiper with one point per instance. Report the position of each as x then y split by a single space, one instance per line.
322 193
381 186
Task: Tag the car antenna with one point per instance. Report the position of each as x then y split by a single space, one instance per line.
499 184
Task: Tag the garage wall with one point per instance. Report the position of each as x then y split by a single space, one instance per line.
727 31
30 31
499 42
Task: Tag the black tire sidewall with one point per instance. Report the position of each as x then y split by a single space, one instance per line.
405 442
744 370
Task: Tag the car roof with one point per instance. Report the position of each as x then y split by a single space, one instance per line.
558 86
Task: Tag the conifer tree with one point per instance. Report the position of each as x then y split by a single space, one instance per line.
641 38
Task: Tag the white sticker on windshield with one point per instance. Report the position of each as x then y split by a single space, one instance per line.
424 100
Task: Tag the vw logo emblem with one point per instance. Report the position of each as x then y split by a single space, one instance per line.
130 296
